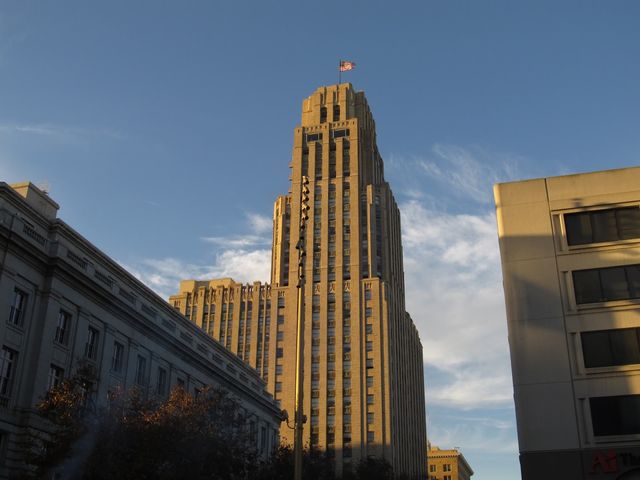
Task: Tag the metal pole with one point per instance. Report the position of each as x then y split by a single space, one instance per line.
299 415
297 447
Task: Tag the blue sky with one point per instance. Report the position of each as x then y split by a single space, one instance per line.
144 119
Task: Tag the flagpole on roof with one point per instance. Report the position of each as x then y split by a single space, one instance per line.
339 72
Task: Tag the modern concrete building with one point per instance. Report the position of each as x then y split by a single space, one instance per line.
570 249
363 373
67 304
448 464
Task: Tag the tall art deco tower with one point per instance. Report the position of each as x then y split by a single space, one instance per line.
363 374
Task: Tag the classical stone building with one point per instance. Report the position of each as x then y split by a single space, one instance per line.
65 304
363 373
448 464
570 250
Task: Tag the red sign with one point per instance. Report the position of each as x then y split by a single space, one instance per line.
602 462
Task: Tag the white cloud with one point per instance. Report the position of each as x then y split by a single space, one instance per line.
164 275
454 295
260 224
245 258
238 241
453 279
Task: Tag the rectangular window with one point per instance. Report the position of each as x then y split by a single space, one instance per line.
141 370
91 347
606 284
446 467
16 312
369 381
56 374
161 388
369 399
62 329
117 358
610 225
606 348
432 468
615 415
8 360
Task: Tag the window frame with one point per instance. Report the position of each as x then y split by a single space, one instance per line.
17 311
7 374
63 327
92 344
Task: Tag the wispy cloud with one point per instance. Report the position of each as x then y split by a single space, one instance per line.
164 275
259 226
245 258
237 241
452 272
58 133
456 172
484 435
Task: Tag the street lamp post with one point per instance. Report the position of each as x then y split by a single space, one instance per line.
299 418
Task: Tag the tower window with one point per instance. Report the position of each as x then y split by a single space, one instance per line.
336 113
323 114
340 133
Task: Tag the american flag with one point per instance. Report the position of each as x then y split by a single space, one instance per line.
346 65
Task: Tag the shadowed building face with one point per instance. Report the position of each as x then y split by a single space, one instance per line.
570 250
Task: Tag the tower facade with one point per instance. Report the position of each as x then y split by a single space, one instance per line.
363 373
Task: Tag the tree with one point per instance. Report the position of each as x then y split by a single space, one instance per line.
136 437
186 436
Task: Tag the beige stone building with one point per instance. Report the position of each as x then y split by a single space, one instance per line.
448 464
570 250
65 303
363 374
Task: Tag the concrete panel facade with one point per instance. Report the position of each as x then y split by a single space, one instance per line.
574 405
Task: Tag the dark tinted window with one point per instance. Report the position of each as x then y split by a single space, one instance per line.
313 137
615 415
605 348
604 284
602 225
336 113
340 133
